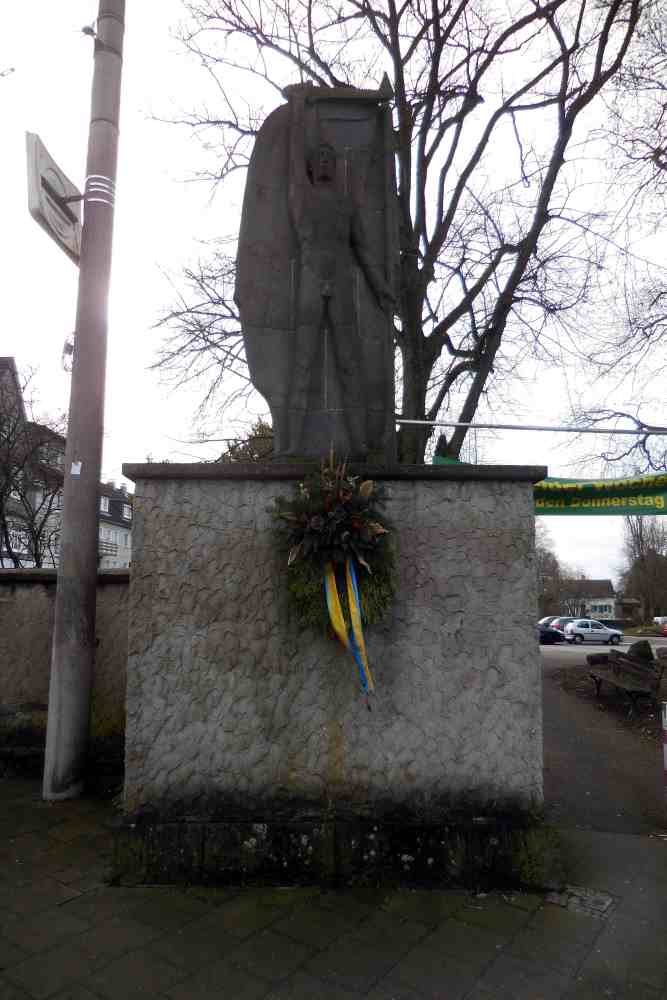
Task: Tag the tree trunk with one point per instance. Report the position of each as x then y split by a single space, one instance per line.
412 440
8 546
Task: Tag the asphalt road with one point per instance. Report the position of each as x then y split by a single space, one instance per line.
597 774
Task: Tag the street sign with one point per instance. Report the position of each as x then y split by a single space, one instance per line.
53 201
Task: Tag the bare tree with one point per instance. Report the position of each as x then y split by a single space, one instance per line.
549 573
31 479
638 115
487 97
633 349
646 554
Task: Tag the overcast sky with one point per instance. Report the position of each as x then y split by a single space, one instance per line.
161 216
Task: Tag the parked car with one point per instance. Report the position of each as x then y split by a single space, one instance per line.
547 636
589 630
664 629
547 620
560 622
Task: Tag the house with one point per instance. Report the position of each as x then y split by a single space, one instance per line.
31 479
32 458
115 517
598 599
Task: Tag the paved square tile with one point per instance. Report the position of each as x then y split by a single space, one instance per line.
430 908
9 991
43 930
644 901
354 905
269 955
36 896
51 971
169 911
195 946
567 924
10 953
390 988
72 829
512 978
524 900
302 986
433 975
464 941
549 949
557 938
316 925
241 916
353 964
115 937
136 974
626 951
604 988
390 930
102 904
75 993
494 913
222 980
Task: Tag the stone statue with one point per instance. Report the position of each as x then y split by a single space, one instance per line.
315 273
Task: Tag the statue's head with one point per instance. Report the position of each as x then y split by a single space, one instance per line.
322 162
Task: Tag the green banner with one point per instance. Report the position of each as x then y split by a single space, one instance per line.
635 495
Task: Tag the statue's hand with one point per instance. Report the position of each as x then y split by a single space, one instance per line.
387 301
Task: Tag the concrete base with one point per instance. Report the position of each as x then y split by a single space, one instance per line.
231 705
471 852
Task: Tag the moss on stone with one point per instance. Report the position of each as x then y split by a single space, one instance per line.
537 857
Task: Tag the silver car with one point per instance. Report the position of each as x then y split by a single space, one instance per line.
588 630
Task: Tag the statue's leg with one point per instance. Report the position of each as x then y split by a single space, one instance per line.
350 369
304 357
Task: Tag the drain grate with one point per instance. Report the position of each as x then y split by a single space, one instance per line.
580 900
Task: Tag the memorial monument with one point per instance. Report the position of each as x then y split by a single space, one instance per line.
249 751
316 275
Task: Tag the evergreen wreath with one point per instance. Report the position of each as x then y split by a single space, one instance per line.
334 516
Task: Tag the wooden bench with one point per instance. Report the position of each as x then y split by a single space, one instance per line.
633 673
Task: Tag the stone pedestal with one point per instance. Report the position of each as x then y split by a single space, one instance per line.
234 710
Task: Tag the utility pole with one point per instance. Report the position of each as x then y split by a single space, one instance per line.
73 650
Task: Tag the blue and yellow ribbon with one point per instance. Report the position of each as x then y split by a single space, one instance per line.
353 639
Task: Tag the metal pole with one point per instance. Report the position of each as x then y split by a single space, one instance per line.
647 431
73 650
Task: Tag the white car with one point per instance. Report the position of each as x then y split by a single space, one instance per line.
588 630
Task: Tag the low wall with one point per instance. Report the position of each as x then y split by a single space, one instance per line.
27 599
233 708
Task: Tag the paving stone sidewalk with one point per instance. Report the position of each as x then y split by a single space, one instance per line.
65 933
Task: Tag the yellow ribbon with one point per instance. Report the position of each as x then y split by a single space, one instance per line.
354 642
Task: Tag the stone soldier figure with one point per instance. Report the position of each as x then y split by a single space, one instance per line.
314 273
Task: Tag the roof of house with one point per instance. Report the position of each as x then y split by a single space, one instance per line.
41 434
589 588
115 492
8 366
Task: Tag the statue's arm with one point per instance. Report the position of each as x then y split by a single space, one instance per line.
298 178
372 271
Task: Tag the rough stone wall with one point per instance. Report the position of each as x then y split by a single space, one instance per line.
27 599
231 703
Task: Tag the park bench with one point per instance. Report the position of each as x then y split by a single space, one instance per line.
637 673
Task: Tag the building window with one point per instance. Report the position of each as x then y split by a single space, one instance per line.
104 505
127 512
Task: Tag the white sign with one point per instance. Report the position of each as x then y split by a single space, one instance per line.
49 194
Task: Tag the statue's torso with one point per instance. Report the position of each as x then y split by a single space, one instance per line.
324 233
